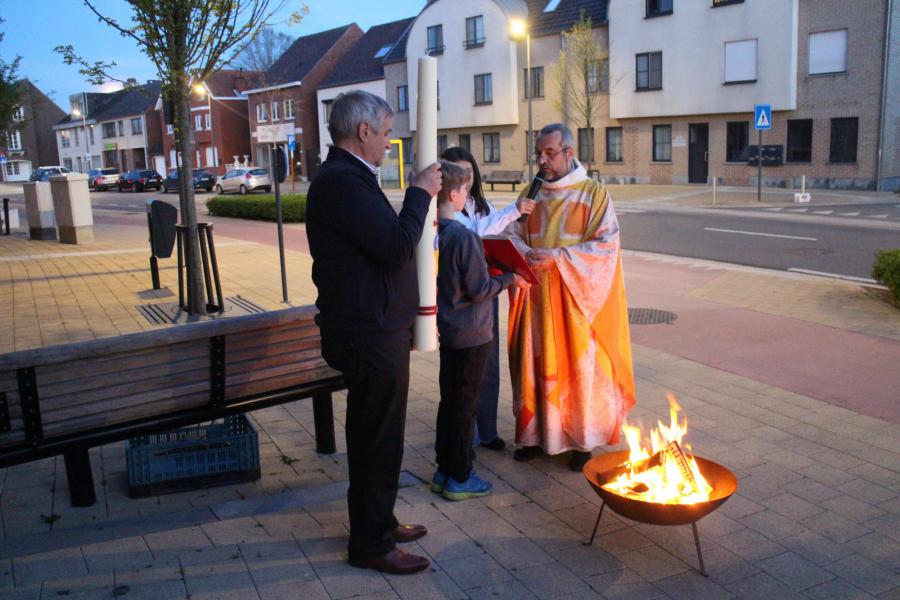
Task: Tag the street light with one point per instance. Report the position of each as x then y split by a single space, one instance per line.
87 152
518 29
201 90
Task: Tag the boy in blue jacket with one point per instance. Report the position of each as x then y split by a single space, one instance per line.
465 320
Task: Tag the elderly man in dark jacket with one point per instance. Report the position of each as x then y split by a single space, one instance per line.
363 266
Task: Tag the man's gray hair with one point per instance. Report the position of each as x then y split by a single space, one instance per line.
567 139
352 108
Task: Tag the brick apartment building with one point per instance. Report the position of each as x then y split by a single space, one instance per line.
30 141
219 118
285 100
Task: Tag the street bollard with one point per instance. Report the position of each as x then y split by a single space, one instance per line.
6 216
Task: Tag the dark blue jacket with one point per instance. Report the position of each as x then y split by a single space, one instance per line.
363 252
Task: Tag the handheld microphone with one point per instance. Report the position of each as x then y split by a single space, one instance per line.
532 194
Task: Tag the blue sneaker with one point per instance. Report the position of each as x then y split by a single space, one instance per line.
438 481
473 487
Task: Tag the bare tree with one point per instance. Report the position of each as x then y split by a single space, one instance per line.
186 40
262 52
10 94
579 76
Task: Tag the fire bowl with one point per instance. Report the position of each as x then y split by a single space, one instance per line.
604 468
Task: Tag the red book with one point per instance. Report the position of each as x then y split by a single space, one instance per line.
502 254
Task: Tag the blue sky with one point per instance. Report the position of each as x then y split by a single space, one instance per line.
34 27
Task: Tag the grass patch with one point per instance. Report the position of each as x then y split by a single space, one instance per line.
886 270
259 207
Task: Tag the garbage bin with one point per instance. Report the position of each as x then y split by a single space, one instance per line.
161 220
39 207
72 207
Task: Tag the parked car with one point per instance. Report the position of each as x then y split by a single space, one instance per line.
44 173
244 180
202 179
103 179
139 179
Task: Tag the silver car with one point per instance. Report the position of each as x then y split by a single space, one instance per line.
244 180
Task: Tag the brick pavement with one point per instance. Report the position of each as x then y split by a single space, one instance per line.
817 514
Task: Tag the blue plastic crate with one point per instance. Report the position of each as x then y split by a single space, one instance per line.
193 457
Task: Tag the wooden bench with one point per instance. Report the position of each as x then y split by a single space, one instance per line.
67 399
509 177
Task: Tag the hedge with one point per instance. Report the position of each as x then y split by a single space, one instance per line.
258 208
886 270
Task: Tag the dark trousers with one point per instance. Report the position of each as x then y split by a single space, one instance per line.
489 392
376 369
462 370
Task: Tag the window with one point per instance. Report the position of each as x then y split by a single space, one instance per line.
737 141
67 163
537 82
649 71
289 108
408 150
662 143
170 129
586 144
844 134
276 111
799 140
657 8
598 77
491 147
207 121
77 137
326 109
12 167
435 40
14 140
137 126
91 136
716 3
475 32
614 144
740 61
382 52
19 113
65 139
442 144
261 114
402 98
438 94
828 52
121 126
465 141
198 123
484 93
109 130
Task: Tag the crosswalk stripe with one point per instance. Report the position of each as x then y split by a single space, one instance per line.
777 208
823 212
849 214
797 210
876 216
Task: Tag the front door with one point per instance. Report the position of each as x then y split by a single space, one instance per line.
698 153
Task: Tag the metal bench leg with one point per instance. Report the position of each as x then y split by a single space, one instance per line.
323 415
81 480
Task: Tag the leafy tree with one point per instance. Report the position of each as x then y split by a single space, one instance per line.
186 40
10 93
579 75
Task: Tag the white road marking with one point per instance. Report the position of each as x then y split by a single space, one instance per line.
777 208
822 212
630 210
774 235
797 210
833 275
876 216
849 214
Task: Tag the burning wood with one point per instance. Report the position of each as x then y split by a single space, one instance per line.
665 473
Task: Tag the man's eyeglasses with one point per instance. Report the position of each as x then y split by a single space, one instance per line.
550 155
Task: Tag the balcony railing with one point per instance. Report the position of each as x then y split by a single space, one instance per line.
474 43
434 50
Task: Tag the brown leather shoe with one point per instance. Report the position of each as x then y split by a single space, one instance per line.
395 562
404 534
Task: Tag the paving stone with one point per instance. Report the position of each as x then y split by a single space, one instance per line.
762 585
691 585
449 545
772 525
106 556
812 490
551 581
585 561
307 590
44 566
343 581
428 585
519 553
624 584
156 571
223 586
506 590
815 547
791 506
160 590
653 563
93 585
750 545
475 571
739 506
887 524
853 509
879 548
176 541
724 566
836 589
865 574
794 570
893 594
834 526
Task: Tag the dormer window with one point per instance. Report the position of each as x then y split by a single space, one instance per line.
382 52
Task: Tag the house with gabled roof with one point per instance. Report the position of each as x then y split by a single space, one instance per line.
362 68
29 139
284 102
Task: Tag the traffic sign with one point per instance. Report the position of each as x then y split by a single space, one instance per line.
762 117
2 158
292 141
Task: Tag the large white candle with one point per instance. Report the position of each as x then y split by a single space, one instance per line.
425 328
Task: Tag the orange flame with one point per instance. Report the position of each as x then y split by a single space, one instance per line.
656 474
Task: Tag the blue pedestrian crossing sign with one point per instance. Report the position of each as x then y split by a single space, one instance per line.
292 142
762 117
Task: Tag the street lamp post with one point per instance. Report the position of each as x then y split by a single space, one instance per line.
519 30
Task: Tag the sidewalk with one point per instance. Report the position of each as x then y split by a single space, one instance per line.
790 381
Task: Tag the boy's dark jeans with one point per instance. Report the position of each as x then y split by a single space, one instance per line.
462 370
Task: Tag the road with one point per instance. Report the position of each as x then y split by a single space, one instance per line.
825 244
